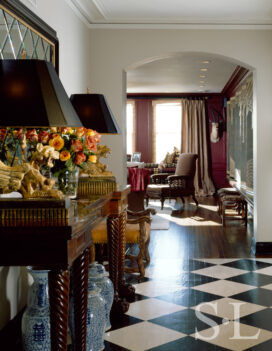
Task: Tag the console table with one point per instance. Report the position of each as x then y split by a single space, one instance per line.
58 245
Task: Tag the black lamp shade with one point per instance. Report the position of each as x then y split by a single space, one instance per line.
95 113
32 95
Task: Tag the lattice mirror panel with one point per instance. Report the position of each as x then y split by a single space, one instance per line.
18 40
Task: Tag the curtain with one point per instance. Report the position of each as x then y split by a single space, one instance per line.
195 140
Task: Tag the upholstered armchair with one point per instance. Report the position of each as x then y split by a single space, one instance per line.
164 186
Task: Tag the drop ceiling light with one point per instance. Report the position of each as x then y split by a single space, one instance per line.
203 69
201 76
206 62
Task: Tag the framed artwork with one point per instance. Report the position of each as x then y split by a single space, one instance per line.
136 157
128 157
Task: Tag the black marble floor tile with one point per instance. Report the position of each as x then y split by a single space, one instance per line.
192 265
186 321
136 297
261 319
188 343
122 320
252 278
265 346
112 347
134 279
189 297
248 265
193 279
258 296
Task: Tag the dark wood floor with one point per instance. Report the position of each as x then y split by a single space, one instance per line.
198 233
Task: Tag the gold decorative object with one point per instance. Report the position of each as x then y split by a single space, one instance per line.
27 180
97 168
96 185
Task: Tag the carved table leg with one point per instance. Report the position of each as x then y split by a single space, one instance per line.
80 291
119 306
59 297
125 290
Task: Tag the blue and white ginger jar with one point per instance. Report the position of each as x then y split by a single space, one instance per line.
36 318
96 319
99 276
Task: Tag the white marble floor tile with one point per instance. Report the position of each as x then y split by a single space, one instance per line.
142 336
267 270
250 336
155 288
224 288
152 308
225 308
216 260
220 272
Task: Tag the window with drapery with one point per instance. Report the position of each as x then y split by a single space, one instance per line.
130 120
167 117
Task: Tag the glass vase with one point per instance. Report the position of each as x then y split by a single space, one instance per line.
67 182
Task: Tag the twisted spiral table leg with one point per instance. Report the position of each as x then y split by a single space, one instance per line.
80 290
125 290
113 223
58 281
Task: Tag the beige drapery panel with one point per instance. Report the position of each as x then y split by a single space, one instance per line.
195 140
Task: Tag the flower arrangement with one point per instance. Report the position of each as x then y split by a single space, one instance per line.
73 148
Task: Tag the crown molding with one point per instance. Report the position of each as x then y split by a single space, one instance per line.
179 26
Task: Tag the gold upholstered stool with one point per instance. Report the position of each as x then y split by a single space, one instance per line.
137 232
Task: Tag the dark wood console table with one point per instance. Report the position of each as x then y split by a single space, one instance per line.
59 245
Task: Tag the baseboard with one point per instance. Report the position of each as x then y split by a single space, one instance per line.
10 335
264 248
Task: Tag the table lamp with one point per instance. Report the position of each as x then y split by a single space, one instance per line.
31 95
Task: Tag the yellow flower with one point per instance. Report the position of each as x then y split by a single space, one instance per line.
91 132
65 155
57 143
92 158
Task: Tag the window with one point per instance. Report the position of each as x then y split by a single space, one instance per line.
167 128
130 127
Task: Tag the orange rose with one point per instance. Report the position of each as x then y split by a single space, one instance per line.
43 137
92 159
80 131
90 143
3 133
32 135
76 145
65 155
80 157
57 143
18 133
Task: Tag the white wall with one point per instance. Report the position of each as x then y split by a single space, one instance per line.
114 51
74 72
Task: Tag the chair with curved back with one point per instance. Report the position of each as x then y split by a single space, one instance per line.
164 186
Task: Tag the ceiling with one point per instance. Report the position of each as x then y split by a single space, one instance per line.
175 11
181 73
178 73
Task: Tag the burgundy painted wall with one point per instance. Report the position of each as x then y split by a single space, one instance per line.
143 143
219 149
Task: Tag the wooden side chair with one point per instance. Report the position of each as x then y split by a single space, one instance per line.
137 232
165 186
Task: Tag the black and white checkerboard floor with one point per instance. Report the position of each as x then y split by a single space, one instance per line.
198 305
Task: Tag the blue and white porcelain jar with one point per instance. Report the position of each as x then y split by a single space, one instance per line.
99 276
36 318
96 319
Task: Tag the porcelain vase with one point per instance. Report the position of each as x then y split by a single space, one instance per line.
96 318
36 318
99 276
